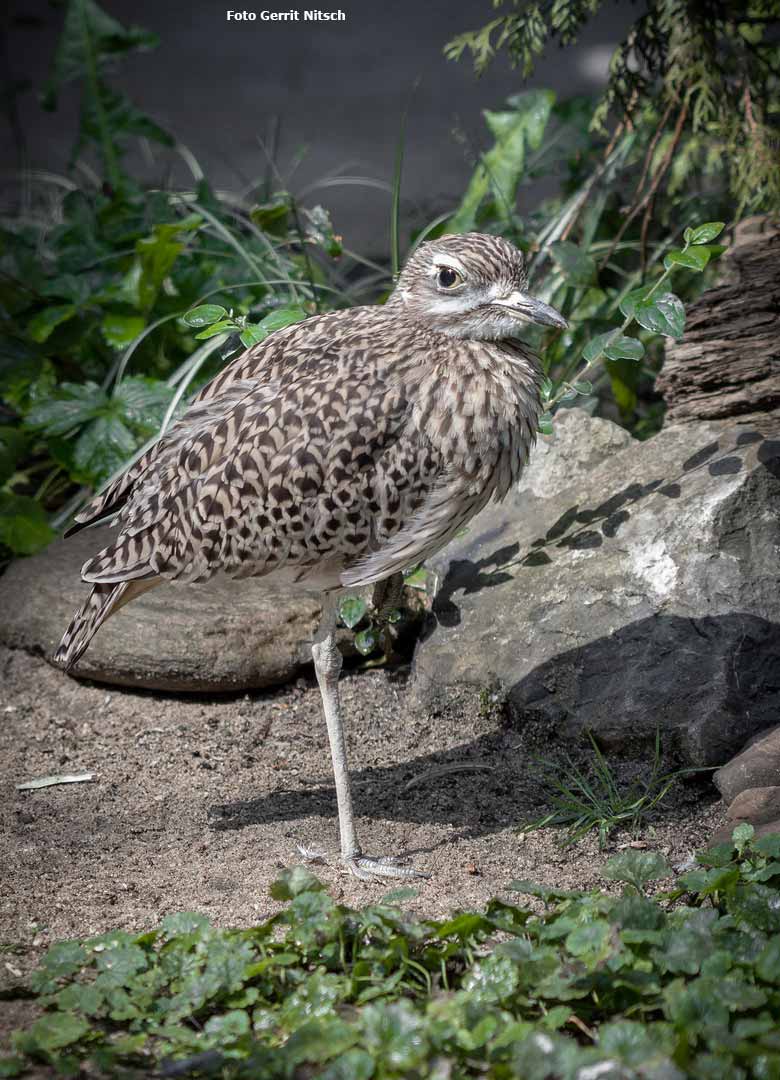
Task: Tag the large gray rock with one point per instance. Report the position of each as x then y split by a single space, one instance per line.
224 635
643 594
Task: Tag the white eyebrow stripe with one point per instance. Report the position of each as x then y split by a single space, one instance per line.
449 260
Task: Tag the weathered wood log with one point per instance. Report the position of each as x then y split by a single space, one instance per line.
728 362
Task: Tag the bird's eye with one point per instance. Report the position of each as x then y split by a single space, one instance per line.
448 278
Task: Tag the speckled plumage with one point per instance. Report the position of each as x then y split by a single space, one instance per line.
338 451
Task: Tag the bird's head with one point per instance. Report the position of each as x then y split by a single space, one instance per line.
471 286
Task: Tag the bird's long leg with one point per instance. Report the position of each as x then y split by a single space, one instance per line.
327 664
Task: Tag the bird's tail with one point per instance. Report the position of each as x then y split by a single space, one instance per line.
103 600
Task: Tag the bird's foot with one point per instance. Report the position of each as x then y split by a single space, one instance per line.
379 868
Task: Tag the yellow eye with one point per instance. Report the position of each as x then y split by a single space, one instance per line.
448 278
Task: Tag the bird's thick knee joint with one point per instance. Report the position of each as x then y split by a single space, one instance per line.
327 658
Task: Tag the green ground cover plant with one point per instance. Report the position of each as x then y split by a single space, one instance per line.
634 983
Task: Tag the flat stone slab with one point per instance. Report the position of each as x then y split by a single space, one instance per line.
223 635
644 595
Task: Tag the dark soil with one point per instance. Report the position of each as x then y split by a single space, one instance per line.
197 804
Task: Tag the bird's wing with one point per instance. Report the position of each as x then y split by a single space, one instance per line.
294 346
301 471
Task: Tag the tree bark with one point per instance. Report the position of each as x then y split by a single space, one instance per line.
728 362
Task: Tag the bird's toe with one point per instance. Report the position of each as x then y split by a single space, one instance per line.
380 868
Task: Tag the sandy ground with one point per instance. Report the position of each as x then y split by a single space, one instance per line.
198 803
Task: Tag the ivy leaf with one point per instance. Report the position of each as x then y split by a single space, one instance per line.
24 526
43 325
351 610
577 266
204 315
702 234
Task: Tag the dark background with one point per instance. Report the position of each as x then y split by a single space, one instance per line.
336 91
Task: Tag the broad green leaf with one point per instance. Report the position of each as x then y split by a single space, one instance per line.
583 386
143 401
351 610
281 317
516 131
578 267
637 867
59 1029
366 641
43 325
103 446
624 348
204 315
692 259
663 314
71 404
702 234
119 330
742 835
630 300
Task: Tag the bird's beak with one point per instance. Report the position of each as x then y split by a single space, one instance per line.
532 310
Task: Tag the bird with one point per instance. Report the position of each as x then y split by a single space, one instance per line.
334 455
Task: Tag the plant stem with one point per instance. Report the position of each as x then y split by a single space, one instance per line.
564 388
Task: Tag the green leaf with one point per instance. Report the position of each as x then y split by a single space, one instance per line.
545 423
595 347
13 444
293 882
43 325
204 315
351 610
692 259
742 835
223 327
517 131
71 405
103 446
702 234
637 867
15 1066
56 1030
578 267
272 216
663 314
24 526
281 317
366 641
143 401
119 330
624 348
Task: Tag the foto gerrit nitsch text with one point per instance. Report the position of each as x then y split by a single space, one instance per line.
295 15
